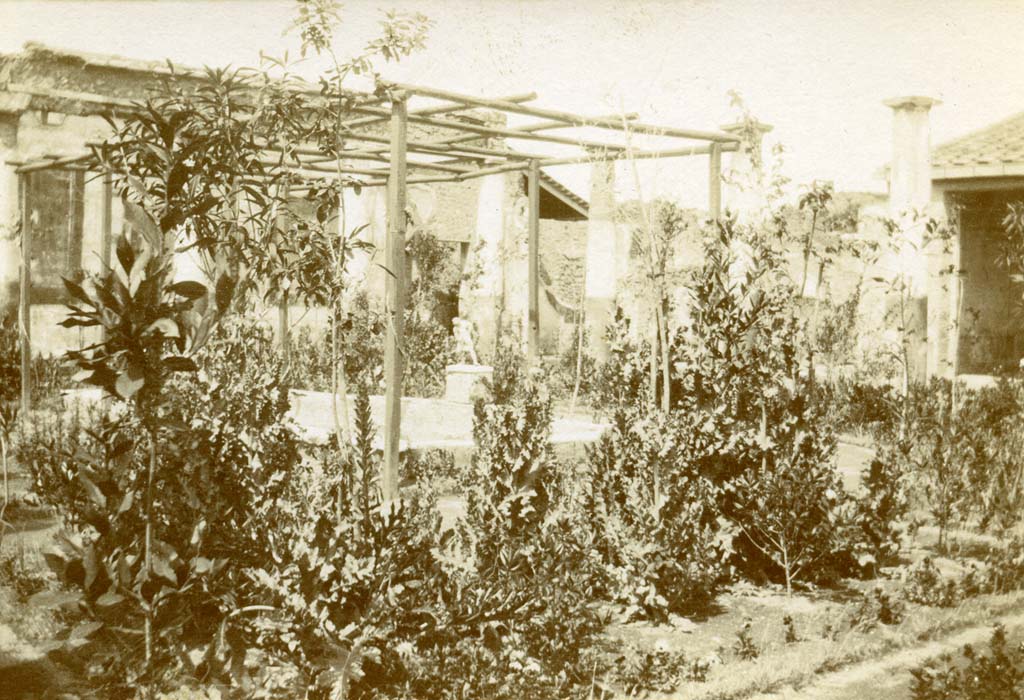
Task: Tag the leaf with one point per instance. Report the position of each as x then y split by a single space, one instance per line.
76 291
162 567
84 630
125 253
201 565
189 289
54 599
109 599
127 387
167 328
92 490
225 291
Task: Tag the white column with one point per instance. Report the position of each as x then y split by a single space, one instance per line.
10 250
603 244
909 198
480 295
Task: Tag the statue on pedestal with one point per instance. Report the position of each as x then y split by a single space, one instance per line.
462 329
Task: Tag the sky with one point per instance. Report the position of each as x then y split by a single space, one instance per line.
816 70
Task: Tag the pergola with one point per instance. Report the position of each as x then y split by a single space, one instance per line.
383 161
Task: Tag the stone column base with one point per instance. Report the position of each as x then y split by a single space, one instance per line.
463 383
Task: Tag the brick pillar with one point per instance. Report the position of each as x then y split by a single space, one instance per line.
601 263
909 193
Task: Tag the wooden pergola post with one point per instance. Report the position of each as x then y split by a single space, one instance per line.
715 182
533 258
25 301
395 298
106 231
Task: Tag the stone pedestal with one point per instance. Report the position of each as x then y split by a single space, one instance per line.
464 382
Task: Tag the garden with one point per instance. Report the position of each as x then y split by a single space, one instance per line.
747 525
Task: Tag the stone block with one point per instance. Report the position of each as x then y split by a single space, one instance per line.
463 383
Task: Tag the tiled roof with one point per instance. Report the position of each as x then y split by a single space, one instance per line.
995 150
564 193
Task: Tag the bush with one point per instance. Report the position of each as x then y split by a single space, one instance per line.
226 452
788 505
654 515
924 585
998 675
880 509
429 349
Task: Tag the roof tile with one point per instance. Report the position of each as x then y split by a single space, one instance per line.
1002 142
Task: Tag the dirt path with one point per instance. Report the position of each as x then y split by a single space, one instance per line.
890 677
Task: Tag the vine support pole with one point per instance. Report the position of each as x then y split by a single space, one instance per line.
715 182
25 301
533 256
395 296
106 231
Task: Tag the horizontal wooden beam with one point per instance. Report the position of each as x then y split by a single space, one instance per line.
638 155
446 108
459 126
567 117
52 163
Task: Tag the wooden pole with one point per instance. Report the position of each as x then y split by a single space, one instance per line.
106 233
569 117
283 322
107 223
395 297
533 284
438 109
715 182
25 302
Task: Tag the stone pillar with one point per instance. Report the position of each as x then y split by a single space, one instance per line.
481 294
743 187
909 197
10 248
602 267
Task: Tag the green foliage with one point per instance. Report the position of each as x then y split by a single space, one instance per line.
659 670
429 349
998 675
925 585
621 380
225 454
881 507
654 515
876 607
789 505
744 647
349 574
49 375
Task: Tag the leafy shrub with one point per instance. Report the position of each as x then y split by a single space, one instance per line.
654 514
658 670
10 359
998 675
858 407
879 510
744 646
876 607
348 574
923 584
788 505
226 451
621 380
1002 570
429 349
